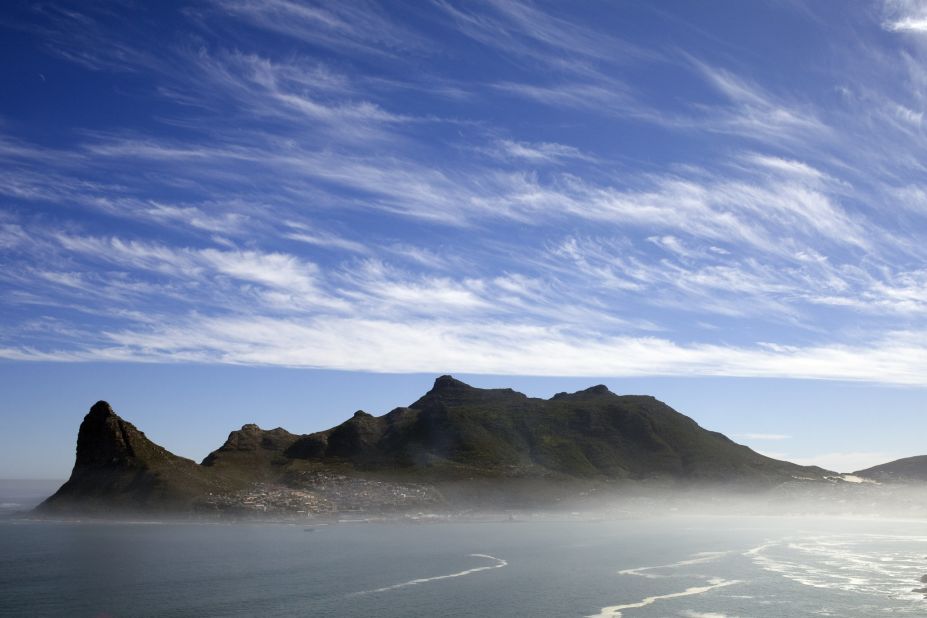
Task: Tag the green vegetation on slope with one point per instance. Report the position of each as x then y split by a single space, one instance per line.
454 433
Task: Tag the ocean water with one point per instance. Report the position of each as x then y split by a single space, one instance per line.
687 567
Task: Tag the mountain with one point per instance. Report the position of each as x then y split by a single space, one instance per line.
456 430
251 453
909 469
453 436
118 467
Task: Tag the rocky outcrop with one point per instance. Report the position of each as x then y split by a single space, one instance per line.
251 454
117 468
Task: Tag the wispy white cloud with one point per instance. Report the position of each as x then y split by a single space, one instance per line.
542 152
786 210
494 347
754 112
747 212
740 108
82 35
222 222
905 16
422 256
327 239
909 24
391 290
522 30
298 91
359 27
608 98
12 236
284 276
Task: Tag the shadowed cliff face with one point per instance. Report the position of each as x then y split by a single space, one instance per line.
454 433
105 441
117 467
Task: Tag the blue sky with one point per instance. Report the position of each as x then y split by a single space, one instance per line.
720 203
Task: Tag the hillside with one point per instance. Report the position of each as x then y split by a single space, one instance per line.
454 435
909 469
457 430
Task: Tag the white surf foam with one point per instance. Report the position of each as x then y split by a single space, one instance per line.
615 611
699 558
849 563
499 563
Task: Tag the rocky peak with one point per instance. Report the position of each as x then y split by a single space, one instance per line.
118 468
106 441
447 382
592 391
446 389
251 439
101 410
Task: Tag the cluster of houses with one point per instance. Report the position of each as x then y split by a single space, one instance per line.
320 494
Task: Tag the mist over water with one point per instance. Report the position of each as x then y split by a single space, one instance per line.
18 495
688 566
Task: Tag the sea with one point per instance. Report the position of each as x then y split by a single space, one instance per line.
520 565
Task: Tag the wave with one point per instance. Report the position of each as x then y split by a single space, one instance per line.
892 568
614 611
654 572
499 563
699 558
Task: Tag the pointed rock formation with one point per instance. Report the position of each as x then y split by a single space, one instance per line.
117 467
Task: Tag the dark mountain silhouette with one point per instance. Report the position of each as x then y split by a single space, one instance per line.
118 467
453 434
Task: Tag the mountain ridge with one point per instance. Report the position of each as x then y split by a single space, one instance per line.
453 434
